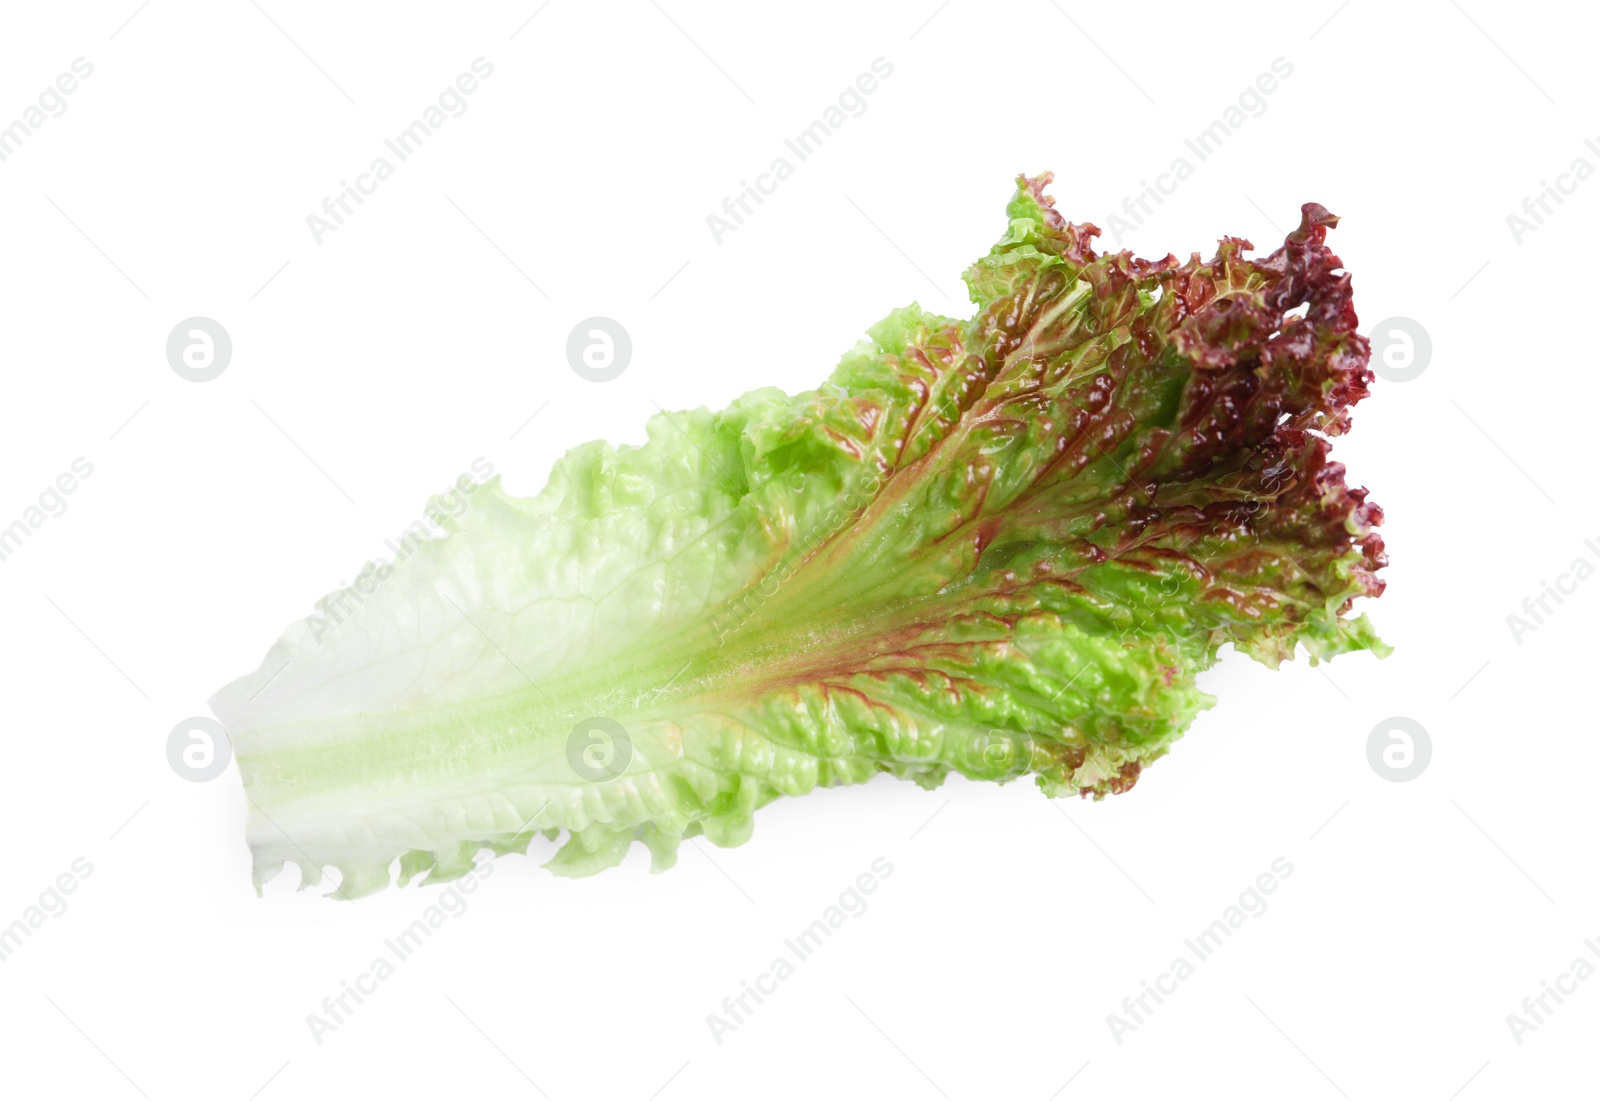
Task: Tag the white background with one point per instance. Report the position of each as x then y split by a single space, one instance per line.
431 326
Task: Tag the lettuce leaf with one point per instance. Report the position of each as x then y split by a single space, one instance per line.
1000 547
